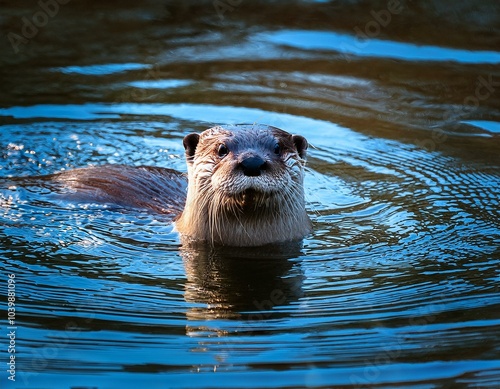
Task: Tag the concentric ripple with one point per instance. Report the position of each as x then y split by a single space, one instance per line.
392 276
398 285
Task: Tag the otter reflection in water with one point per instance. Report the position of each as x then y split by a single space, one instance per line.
251 284
232 296
244 187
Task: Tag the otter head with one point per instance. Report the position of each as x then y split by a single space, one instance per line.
245 186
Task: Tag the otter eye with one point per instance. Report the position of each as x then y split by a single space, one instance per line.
223 150
277 149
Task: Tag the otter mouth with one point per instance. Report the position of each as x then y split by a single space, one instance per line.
252 194
252 198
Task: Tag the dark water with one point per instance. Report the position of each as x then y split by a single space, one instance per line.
398 286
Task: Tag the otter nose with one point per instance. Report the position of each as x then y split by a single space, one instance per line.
252 165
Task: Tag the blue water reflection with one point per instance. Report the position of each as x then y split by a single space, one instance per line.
205 112
352 45
159 84
101 69
487 125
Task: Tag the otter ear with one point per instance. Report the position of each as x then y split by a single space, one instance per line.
190 142
301 145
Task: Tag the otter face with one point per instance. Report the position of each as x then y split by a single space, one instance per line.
245 186
246 166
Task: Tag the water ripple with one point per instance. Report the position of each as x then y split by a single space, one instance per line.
395 286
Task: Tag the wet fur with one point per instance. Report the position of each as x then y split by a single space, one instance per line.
158 189
225 207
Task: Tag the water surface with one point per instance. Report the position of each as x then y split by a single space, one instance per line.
398 285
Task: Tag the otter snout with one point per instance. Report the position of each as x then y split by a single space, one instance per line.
252 164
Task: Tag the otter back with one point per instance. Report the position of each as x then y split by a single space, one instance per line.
158 189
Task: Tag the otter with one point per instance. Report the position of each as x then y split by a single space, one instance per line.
244 186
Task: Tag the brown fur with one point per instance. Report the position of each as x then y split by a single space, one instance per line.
158 189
